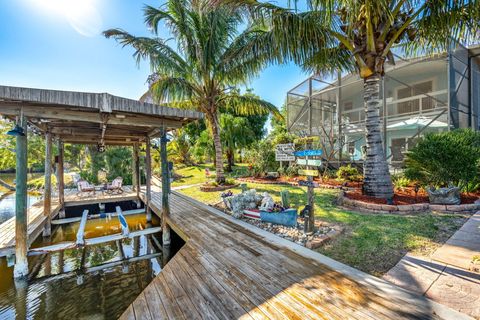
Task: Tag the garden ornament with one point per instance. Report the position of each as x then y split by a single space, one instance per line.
267 202
449 195
245 200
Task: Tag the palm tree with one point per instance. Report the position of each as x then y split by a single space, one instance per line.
236 134
359 34
204 69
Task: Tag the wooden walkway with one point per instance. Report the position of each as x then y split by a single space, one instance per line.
227 270
36 220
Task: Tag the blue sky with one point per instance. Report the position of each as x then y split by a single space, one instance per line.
56 44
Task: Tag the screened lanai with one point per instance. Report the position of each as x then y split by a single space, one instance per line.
427 94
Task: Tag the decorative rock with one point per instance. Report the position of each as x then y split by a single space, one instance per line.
450 195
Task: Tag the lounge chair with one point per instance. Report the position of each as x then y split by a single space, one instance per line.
85 188
116 186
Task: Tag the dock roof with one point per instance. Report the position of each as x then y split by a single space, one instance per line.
88 118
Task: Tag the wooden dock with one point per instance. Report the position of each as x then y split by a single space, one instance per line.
230 270
72 198
36 219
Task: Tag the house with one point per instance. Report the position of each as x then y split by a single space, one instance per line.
426 94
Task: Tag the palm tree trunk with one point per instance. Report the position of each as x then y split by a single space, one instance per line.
230 160
220 177
377 180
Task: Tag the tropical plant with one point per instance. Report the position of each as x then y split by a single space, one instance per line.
204 148
352 34
179 149
202 72
348 173
236 134
440 159
262 157
400 181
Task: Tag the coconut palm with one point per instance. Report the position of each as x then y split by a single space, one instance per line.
204 68
359 34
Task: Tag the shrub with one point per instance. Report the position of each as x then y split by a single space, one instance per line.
440 159
291 171
229 181
348 173
263 157
400 181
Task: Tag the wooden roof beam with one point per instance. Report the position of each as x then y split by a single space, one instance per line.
78 132
87 116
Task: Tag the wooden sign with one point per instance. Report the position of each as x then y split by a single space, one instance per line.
309 162
308 153
304 183
284 152
310 173
306 140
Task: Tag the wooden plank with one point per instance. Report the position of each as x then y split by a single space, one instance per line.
155 303
172 308
129 314
140 308
187 306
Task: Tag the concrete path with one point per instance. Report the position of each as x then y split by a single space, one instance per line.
460 249
445 277
456 288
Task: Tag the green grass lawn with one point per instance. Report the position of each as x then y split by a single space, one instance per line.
196 174
372 243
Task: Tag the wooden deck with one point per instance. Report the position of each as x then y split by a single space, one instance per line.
72 198
36 220
229 270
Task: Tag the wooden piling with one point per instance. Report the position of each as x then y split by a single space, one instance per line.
148 175
47 190
61 180
165 188
21 235
136 169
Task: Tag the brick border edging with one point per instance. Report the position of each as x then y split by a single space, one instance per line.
367 207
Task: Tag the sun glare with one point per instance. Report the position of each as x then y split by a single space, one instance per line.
82 15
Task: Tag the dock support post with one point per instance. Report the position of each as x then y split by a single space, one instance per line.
165 188
47 191
136 169
21 221
61 181
148 175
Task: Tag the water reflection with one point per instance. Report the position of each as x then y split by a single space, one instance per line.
7 204
94 282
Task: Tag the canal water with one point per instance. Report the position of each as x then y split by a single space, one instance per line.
93 282
7 198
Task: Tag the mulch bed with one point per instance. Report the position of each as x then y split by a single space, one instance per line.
406 196
294 181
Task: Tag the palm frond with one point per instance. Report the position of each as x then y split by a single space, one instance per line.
163 59
166 89
247 105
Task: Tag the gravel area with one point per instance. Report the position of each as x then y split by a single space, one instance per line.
323 232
